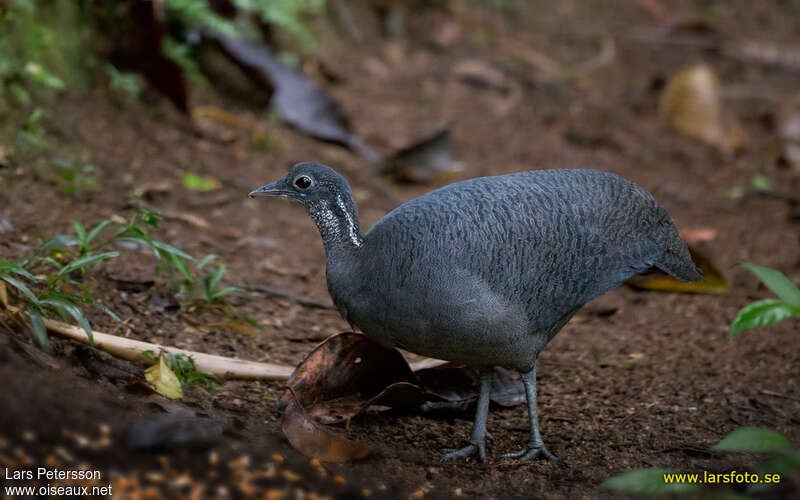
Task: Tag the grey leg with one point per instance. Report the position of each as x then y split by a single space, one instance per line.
477 442
535 446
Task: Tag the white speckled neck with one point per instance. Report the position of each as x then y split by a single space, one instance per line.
336 226
352 229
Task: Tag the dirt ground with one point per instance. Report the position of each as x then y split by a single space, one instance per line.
638 379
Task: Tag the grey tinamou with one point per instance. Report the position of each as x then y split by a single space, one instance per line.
486 271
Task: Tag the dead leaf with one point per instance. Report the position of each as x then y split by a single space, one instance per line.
349 369
692 104
300 102
427 161
3 295
315 441
163 380
713 284
455 387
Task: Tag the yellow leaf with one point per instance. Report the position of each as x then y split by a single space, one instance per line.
713 284
692 104
163 380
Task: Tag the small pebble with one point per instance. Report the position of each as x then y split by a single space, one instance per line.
240 463
458 492
339 480
28 436
275 494
64 454
213 458
315 462
278 459
417 495
365 492
290 476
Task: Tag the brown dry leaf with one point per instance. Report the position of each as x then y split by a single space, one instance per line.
426 161
314 441
342 375
692 104
713 284
163 380
3 295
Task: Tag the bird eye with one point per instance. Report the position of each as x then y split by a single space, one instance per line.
303 182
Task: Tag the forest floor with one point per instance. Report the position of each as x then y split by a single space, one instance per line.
637 379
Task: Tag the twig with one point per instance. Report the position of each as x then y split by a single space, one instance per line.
280 292
131 350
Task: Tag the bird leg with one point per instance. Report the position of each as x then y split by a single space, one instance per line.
477 441
535 446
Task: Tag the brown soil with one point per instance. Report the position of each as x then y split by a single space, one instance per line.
653 384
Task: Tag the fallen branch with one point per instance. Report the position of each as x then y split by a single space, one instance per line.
228 368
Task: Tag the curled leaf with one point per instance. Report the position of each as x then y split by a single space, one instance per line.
163 380
313 440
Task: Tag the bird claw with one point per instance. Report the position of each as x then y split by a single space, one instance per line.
530 452
466 452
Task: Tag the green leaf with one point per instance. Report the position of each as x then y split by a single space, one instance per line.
225 291
108 311
197 183
652 480
39 329
97 229
777 282
752 440
169 249
65 305
150 218
64 240
23 288
205 260
9 267
762 313
86 261
80 231
783 464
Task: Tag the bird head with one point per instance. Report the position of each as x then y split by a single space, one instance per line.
313 185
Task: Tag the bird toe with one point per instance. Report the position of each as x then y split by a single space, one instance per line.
465 452
530 452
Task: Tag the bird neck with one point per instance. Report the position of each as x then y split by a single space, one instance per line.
337 221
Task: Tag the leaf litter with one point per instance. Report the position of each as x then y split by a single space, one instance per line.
348 374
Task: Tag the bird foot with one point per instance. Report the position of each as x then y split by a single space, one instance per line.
530 452
466 452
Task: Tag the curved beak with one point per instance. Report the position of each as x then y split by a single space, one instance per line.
268 190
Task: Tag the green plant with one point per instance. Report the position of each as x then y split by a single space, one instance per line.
768 311
49 294
184 368
74 176
784 459
210 281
